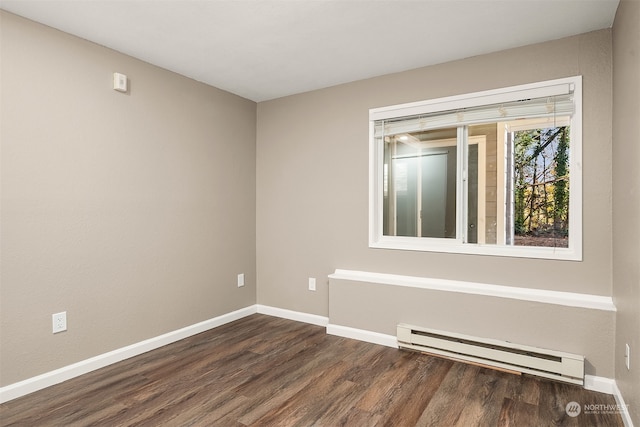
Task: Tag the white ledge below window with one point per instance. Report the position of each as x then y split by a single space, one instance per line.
569 299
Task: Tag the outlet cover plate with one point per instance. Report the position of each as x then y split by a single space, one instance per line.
59 322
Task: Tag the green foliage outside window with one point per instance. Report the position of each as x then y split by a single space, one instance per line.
541 182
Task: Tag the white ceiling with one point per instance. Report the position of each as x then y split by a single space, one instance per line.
265 49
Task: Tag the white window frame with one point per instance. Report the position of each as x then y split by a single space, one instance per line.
477 99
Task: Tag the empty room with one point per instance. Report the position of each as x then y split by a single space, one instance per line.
319 213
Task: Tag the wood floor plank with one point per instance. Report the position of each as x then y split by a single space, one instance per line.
515 413
554 398
417 390
381 393
356 417
447 404
486 396
266 371
276 396
524 389
312 396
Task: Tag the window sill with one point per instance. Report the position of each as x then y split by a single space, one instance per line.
457 247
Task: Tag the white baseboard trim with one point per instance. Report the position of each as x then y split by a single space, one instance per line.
362 335
626 417
609 386
22 388
599 384
298 316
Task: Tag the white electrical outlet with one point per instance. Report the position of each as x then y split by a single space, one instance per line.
59 322
627 356
240 280
312 284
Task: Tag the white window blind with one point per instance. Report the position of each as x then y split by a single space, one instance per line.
551 106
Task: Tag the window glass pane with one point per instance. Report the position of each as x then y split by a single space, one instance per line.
472 198
419 179
518 189
541 186
482 184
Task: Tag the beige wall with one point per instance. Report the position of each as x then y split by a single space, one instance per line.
312 184
626 199
133 212
312 171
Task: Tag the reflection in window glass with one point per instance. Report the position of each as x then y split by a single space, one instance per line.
420 172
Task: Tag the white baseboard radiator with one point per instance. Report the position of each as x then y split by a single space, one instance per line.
504 355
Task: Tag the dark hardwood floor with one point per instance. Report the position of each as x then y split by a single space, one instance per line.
266 371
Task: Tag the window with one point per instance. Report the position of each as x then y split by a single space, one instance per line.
490 173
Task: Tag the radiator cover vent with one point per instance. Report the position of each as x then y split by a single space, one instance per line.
500 354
